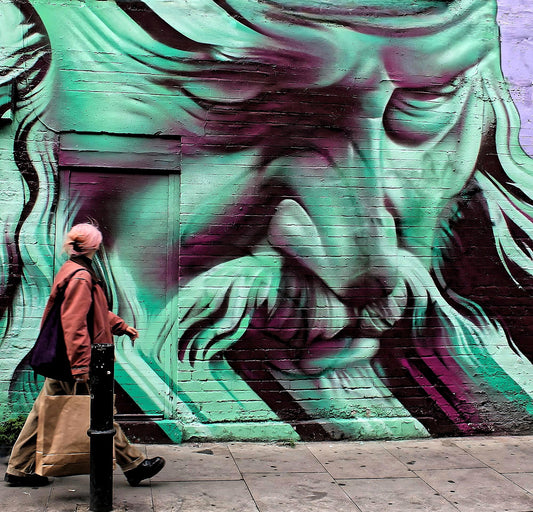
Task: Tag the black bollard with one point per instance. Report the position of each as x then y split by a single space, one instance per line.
102 430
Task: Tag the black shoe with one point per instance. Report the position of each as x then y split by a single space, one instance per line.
31 480
146 469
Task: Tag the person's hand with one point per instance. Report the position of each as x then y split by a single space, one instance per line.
132 333
82 377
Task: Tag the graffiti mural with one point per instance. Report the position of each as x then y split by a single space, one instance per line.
317 214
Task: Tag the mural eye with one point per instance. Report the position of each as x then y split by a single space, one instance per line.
414 116
358 7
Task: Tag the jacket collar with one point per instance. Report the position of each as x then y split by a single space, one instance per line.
85 263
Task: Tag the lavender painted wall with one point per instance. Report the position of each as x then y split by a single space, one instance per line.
515 18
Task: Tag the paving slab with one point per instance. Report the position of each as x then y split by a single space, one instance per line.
378 476
434 454
395 495
24 499
473 490
298 492
219 496
273 458
359 460
85 508
73 493
504 454
523 480
69 492
204 461
132 499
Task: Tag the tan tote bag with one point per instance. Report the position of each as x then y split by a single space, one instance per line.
63 446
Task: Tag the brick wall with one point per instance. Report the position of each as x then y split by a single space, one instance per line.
317 216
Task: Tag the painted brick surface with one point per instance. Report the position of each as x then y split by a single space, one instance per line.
317 214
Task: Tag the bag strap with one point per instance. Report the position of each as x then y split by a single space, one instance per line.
58 299
67 280
84 384
90 314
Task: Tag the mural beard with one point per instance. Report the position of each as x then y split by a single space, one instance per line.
267 293
276 325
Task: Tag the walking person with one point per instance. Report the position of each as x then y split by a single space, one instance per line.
83 291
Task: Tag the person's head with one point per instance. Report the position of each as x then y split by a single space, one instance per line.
82 240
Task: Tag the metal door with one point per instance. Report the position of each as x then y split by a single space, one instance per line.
137 211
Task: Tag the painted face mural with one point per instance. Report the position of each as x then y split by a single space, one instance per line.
316 213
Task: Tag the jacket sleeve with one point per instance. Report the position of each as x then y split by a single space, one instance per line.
74 310
117 325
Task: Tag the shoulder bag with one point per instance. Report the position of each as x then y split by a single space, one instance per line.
48 357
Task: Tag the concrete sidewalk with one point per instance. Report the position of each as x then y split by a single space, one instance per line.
442 475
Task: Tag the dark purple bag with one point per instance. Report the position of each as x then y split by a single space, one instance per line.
48 357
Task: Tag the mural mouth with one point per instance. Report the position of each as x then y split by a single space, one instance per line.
313 327
322 355
316 347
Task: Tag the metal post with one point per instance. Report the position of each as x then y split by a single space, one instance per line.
102 430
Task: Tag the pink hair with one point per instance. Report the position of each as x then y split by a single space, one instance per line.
81 239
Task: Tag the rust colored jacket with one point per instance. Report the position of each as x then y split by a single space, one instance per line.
79 296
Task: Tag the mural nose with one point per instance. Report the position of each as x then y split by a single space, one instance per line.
356 270
376 283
